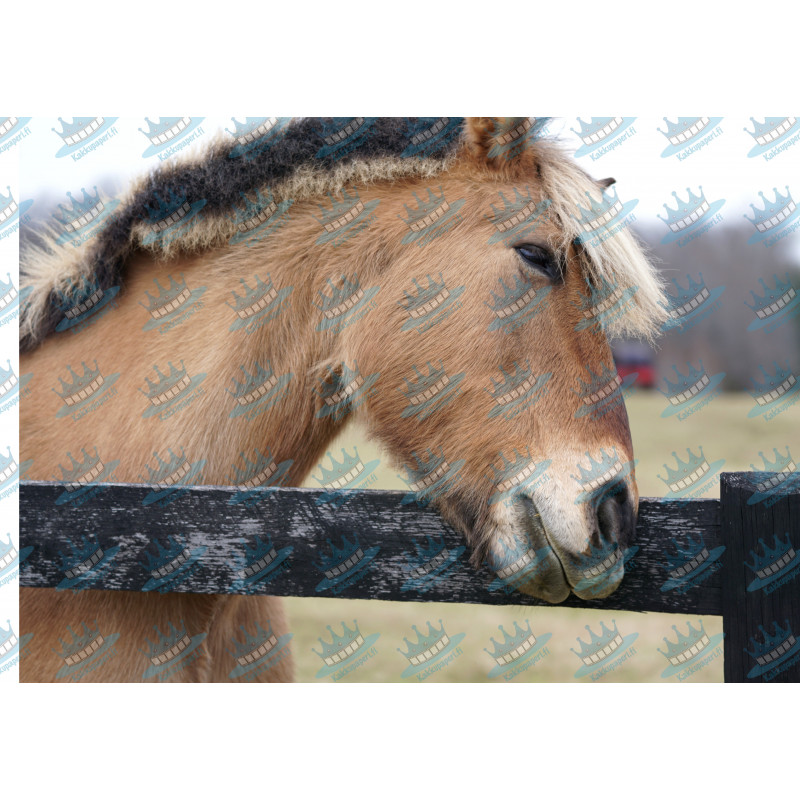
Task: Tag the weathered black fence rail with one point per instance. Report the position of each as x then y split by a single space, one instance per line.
732 557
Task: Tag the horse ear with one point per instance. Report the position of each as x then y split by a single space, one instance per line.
607 183
485 134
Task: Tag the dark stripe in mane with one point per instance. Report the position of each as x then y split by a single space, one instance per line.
221 178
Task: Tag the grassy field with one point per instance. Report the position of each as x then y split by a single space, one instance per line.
721 428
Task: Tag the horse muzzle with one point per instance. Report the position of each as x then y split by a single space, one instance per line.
549 571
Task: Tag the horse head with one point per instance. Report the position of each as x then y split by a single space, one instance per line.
494 288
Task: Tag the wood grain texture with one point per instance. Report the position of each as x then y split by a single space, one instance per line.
753 606
212 536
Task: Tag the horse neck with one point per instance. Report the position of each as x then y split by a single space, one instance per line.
290 344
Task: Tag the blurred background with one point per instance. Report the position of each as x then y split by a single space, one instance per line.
651 159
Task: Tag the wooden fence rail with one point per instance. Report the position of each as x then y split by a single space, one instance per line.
698 557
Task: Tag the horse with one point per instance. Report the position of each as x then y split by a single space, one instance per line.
450 283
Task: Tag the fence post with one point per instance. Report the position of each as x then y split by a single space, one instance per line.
760 519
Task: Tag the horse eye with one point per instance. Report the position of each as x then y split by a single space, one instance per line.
540 259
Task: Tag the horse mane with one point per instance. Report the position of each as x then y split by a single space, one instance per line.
298 165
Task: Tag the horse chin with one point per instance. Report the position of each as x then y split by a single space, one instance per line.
550 589
597 590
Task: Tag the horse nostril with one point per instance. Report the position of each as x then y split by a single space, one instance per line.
616 520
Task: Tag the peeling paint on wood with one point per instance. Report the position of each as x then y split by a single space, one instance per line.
210 536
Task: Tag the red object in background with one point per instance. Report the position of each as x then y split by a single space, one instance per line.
635 357
646 375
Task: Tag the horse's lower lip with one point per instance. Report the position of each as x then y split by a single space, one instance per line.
602 586
550 583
